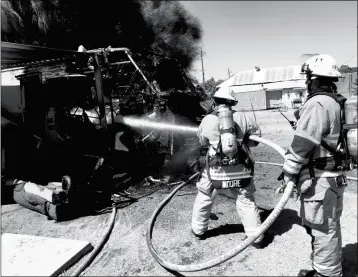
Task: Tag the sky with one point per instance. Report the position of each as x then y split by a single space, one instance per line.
239 35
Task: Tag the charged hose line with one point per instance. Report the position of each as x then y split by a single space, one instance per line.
99 246
268 163
277 164
242 246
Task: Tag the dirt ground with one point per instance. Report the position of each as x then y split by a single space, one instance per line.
287 247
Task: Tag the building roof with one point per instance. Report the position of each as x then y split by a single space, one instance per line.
265 75
20 55
299 84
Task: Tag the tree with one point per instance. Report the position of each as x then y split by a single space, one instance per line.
210 85
11 22
347 69
219 82
28 21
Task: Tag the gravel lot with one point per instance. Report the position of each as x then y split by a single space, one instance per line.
126 253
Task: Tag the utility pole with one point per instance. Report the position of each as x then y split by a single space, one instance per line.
229 72
202 64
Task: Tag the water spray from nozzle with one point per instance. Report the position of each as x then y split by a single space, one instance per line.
147 124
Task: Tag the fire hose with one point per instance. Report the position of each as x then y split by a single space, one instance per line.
277 164
100 244
242 246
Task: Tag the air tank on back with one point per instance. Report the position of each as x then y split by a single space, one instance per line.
350 110
227 131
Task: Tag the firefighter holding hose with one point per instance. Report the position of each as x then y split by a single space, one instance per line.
228 165
316 161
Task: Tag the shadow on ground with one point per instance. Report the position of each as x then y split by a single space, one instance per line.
175 273
283 224
350 264
225 229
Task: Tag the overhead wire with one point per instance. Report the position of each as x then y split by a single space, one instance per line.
349 59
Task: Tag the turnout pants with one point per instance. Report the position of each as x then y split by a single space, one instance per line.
245 206
37 202
321 209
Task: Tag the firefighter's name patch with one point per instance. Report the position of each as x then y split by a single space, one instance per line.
232 184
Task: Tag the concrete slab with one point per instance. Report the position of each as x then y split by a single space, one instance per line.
24 255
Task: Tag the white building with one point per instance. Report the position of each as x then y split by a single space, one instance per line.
266 88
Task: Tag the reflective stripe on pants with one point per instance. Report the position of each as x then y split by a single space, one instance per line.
245 206
321 209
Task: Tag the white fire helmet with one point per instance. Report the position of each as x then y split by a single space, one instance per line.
321 65
225 93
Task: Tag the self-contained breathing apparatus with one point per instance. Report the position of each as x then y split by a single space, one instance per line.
229 151
227 142
347 141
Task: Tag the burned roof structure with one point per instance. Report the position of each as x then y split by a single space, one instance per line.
20 55
108 67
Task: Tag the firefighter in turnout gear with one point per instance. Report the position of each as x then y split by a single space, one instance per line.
316 163
228 166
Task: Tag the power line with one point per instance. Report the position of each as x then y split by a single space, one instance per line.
349 59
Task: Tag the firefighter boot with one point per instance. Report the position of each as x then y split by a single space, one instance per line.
66 183
199 237
310 273
66 186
